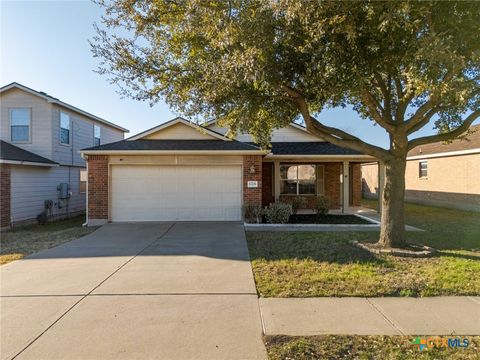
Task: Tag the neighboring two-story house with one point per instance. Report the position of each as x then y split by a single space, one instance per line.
41 167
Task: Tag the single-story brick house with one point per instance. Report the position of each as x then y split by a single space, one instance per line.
184 171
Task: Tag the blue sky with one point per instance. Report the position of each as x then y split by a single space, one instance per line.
44 45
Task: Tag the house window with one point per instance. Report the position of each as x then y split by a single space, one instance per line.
20 124
96 135
422 169
83 181
296 179
64 129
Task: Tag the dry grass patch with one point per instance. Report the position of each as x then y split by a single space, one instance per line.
22 241
362 347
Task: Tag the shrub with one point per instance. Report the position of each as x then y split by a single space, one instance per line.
252 213
278 213
297 202
322 205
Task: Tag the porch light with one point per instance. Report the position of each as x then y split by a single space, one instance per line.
252 169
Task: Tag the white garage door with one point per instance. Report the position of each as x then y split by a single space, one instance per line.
166 193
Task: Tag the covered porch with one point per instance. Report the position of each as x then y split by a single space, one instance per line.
338 178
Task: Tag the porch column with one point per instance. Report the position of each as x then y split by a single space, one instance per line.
276 180
346 186
381 185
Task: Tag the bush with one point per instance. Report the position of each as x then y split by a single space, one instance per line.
322 205
297 202
278 213
252 213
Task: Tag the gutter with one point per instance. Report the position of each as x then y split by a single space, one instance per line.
444 154
334 156
173 152
20 162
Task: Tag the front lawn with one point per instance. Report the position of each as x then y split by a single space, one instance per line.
22 241
312 264
365 347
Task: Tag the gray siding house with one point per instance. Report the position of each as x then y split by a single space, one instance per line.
41 167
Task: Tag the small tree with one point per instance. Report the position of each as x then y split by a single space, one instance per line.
257 65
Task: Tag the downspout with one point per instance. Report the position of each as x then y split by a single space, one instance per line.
85 157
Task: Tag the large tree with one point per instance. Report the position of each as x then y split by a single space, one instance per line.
259 64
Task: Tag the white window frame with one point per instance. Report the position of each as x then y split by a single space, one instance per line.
95 126
420 176
10 110
69 129
80 181
316 166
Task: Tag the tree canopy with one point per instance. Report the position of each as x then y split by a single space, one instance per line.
249 62
255 65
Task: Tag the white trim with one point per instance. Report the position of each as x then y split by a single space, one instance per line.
320 156
297 180
172 152
20 162
70 126
175 121
94 137
445 154
29 141
61 103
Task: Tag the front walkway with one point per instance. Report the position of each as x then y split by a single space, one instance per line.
371 316
135 291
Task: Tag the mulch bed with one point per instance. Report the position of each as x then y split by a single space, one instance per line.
410 250
327 219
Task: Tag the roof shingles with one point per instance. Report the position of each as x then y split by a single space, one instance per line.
175 145
14 153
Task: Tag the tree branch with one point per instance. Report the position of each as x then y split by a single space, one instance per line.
386 95
424 121
333 135
373 107
445 136
431 103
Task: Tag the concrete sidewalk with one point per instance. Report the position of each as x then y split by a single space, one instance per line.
134 291
371 316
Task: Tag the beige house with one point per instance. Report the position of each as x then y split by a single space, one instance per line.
438 174
185 171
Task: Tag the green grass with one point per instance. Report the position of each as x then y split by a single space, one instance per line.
325 264
22 241
445 228
363 347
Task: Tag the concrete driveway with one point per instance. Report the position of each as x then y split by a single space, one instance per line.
128 291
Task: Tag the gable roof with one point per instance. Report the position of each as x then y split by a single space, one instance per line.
54 100
310 148
471 143
13 154
175 121
174 146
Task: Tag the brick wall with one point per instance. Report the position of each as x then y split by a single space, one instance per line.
5 196
356 185
332 184
98 187
252 196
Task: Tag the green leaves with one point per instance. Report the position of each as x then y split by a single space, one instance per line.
230 60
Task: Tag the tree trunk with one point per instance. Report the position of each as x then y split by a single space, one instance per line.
392 231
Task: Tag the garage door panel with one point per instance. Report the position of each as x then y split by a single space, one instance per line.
176 193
